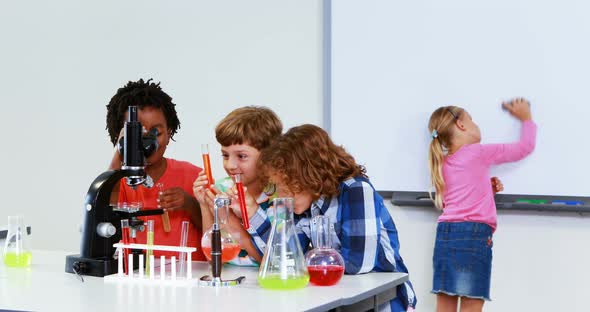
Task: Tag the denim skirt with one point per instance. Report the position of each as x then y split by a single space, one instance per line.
462 259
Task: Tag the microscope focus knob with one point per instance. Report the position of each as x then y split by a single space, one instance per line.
106 229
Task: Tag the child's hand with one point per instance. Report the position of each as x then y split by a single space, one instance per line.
172 199
497 185
203 194
519 108
251 203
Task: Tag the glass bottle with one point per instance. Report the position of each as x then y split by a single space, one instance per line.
230 239
324 263
16 248
283 264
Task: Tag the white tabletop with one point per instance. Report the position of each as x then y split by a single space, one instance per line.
46 287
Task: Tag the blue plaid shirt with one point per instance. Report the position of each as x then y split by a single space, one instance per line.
364 234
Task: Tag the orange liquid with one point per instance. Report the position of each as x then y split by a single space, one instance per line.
228 252
207 165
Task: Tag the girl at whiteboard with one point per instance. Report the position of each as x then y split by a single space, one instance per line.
324 179
459 167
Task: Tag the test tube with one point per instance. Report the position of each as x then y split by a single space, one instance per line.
150 252
165 216
173 268
152 274
125 237
130 268
120 261
183 242
207 164
140 271
162 268
242 200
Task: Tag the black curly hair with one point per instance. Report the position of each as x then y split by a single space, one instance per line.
141 94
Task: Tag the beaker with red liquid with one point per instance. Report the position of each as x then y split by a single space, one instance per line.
324 264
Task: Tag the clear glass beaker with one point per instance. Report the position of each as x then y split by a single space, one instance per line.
283 264
230 239
324 263
17 252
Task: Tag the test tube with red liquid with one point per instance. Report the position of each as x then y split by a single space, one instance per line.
125 237
242 200
207 164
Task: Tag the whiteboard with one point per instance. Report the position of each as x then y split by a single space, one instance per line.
394 62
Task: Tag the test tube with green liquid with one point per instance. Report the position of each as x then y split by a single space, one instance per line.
150 243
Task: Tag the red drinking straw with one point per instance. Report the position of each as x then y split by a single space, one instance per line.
242 200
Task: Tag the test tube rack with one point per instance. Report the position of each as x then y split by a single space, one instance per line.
159 276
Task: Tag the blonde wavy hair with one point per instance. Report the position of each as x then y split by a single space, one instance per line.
441 126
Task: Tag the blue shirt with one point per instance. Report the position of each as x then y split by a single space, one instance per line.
364 234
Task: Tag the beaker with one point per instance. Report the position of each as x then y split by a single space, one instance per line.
230 239
16 247
283 264
324 263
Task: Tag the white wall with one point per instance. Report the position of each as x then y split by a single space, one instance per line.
61 61
540 260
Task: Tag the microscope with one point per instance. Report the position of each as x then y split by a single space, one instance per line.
102 223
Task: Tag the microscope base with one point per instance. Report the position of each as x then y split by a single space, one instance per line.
92 267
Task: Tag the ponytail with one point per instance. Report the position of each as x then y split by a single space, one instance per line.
441 126
435 163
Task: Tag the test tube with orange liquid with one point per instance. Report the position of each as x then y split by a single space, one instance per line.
207 164
165 216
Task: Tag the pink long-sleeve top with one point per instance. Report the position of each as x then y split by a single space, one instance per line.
468 192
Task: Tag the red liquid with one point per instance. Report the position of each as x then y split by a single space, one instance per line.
325 275
243 207
125 236
228 252
207 165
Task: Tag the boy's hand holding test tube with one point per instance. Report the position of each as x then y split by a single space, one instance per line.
249 203
171 199
165 217
204 193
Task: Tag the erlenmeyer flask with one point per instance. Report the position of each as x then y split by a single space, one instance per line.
230 239
283 264
324 263
16 248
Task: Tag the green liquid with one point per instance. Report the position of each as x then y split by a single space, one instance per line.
150 242
21 260
275 282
